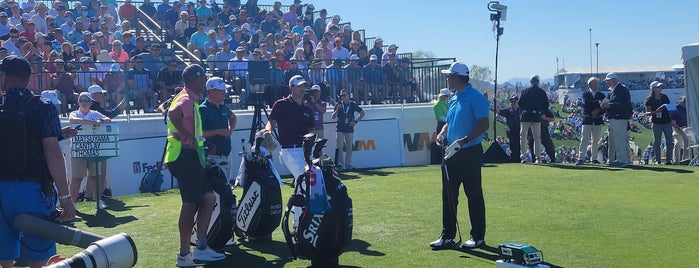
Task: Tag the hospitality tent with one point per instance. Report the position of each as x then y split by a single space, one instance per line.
690 58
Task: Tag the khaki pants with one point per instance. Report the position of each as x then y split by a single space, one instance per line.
536 133
345 140
680 151
589 132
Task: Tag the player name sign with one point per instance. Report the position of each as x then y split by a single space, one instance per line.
100 141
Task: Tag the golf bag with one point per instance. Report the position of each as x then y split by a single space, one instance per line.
326 222
221 226
260 209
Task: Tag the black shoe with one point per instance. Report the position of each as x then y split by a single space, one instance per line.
595 162
107 193
442 243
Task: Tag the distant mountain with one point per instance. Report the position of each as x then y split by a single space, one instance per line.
525 81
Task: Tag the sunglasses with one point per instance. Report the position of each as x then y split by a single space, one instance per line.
343 95
84 100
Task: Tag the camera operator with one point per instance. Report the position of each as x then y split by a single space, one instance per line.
218 123
32 192
319 107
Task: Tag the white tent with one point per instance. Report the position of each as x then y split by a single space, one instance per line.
690 58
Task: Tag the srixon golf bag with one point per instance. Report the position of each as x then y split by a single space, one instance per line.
260 209
222 225
325 224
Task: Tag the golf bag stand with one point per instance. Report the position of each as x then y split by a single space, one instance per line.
326 222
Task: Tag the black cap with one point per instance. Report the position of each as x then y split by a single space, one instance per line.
192 72
16 66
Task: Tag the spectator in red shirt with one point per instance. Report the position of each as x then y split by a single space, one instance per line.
127 11
29 31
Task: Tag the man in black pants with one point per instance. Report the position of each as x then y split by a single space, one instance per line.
467 120
512 117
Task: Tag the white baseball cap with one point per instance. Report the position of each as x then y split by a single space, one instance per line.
610 76
216 83
457 68
315 87
94 89
50 96
297 80
444 92
655 84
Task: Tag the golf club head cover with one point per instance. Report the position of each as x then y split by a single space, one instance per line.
451 150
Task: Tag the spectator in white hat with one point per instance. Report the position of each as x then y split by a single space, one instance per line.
660 117
373 79
392 50
619 110
441 107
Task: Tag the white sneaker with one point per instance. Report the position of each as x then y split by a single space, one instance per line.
102 205
443 243
473 243
185 261
207 255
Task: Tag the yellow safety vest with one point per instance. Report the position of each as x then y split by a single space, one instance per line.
174 146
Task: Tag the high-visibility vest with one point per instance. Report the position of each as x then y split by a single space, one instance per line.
174 146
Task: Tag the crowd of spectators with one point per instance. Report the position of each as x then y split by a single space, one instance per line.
90 43
94 42
294 41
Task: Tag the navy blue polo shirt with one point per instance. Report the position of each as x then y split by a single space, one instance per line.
213 117
346 115
42 122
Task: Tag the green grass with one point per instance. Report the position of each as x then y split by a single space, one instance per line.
589 216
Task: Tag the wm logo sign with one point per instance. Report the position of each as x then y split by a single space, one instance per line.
418 141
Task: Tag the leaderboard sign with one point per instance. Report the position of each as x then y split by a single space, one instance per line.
92 141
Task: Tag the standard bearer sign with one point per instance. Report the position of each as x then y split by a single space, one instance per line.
95 142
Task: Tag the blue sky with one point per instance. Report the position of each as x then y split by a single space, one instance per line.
641 32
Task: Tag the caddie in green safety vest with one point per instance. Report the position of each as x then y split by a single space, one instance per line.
184 157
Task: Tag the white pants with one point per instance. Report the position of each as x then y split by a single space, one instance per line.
344 140
589 132
680 151
618 141
293 160
536 132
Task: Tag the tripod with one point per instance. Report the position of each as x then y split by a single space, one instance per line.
258 101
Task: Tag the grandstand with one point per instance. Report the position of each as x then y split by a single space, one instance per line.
136 49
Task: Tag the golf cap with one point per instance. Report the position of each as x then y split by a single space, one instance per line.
514 97
216 83
534 77
240 49
337 17
354 57
392 47
16 66
444 92
315 88
457 68
378 40
192 72
611 76
85 94
347 27
297 80
94 89
85 59
373 57
50 96
232 17
655 84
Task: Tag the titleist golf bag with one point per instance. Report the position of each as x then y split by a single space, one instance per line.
260 209
325 225
222 225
